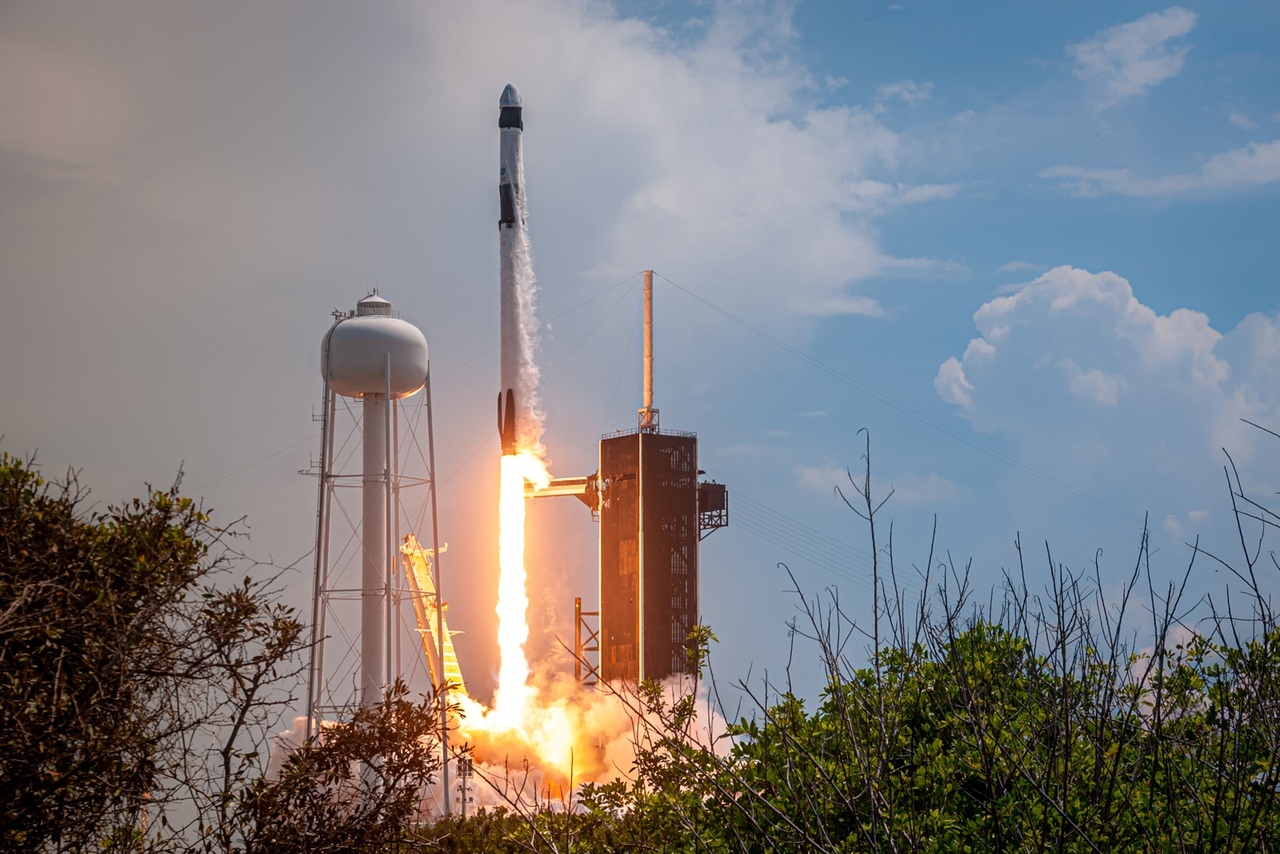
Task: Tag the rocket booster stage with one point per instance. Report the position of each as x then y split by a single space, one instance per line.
513 412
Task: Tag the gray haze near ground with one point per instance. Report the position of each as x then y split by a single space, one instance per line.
187 190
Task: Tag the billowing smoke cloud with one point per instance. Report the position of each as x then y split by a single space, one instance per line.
571 736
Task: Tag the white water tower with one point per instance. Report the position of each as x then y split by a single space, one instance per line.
371 361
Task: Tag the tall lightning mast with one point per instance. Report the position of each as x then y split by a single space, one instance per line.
648 415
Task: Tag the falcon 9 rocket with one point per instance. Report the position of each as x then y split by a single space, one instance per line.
518 326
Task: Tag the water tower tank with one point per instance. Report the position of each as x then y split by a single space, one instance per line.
354 354
373 355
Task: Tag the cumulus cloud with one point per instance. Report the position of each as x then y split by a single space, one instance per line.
1095 385
1085 374
1251 166
1129 59
1183 341
952 385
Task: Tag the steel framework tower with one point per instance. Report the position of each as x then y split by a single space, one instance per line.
371 356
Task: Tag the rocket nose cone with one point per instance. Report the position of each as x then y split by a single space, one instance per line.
510 97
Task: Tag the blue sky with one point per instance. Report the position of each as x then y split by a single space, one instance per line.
1042 235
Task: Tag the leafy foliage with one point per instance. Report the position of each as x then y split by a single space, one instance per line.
1037 722
129 681
357 786
86 653
132 685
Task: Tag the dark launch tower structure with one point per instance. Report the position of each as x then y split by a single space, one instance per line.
653 513
649 531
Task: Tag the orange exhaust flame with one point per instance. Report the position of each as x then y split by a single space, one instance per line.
512 698
564 735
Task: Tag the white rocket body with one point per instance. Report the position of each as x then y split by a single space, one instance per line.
517 423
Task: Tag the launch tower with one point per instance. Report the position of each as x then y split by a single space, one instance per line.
653 513
648 552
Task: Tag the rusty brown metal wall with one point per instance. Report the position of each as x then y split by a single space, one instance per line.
648 553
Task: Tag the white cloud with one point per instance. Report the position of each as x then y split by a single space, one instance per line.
1254 165
1188 523
823 479
952 385
1240 120
909 489
712 152
1094 385
870 197
979 350
911 93
927 192
1018 267
851 304
1067 295
922 268
1129 59
914 490
1100 388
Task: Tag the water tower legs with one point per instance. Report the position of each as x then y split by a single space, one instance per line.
373 567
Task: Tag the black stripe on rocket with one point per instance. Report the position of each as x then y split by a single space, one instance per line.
507 422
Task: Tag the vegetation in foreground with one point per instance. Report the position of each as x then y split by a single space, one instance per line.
138 688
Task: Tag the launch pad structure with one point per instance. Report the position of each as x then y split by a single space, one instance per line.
653 513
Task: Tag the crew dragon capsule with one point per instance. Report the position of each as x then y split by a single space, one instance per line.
513 250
